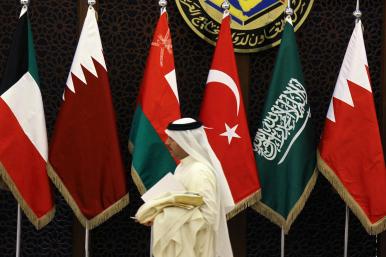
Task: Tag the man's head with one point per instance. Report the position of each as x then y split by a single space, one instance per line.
175 150
179 127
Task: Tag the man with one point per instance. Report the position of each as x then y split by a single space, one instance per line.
201 231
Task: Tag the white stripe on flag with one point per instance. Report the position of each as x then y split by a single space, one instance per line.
25 101
172 81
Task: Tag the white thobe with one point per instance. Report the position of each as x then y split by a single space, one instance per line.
179 232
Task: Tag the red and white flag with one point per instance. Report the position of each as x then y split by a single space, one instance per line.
23 136
350 152
157 106
223 115
85 159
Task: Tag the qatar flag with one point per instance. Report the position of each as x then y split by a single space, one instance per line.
85 159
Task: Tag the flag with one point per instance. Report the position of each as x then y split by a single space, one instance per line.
85 160
23 136
223 115
157 106
284 144
350 152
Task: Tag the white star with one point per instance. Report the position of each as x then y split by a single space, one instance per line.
230 133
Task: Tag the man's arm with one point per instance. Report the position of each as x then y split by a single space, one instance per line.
204 183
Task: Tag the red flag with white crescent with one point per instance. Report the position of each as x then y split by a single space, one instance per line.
223 115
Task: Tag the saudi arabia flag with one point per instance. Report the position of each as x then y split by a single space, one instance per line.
284 144
23 137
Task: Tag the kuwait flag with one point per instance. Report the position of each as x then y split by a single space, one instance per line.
23 136
85 160
157 106
225 121
350 152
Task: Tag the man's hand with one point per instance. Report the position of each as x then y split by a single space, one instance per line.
148 224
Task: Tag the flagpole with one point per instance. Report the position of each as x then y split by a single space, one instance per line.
225 6
24 4
282 243
91 3
346 232
151 241
86 242
162 4
289 12
357 14
18 231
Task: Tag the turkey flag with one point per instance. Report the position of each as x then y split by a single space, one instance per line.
224 118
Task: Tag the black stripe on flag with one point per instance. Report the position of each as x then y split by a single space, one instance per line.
17 63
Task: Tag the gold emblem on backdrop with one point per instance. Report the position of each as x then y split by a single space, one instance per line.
256 24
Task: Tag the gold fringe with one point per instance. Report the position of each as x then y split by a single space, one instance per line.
36 221
130 147
277 218
134 174
330 175
138 181
245 203
87 223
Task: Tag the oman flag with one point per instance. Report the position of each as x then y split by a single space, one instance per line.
85 159
23 137
157 106
350 152
224 118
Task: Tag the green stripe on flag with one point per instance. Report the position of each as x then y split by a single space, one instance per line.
32 66
151 158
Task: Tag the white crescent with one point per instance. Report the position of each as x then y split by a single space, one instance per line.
223 78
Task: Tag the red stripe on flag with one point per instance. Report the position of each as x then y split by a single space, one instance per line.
24 164
156 97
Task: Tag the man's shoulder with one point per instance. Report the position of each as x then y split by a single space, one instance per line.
202 171
197 165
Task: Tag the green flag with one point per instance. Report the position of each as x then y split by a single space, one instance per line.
284 143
